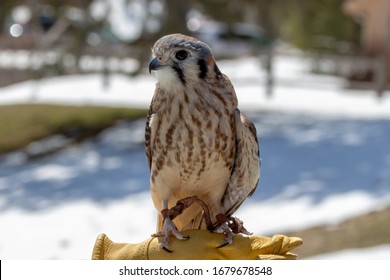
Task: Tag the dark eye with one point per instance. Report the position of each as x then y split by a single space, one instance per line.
181 55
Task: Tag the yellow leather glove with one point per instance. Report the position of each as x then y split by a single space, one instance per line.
201 246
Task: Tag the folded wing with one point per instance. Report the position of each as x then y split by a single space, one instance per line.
246 171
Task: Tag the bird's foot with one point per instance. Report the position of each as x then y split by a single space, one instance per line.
230 226
224 228
168 229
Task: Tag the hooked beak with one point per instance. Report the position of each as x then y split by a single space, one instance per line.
155 64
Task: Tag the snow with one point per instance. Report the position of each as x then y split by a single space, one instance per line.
381 252
296 92
325 158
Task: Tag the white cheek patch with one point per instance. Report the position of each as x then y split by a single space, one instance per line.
165 74
168 78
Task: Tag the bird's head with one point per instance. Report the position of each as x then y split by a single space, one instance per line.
181 59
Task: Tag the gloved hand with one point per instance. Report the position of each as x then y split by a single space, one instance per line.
201 246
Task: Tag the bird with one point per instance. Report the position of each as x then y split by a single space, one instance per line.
197 141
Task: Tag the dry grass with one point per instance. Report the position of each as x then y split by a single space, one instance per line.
363 231
22 124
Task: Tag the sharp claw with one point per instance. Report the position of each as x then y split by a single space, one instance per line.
171 229
228 240
164 244
166 249
168 229
223 245
224 228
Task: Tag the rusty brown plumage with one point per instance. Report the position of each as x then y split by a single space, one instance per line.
197 142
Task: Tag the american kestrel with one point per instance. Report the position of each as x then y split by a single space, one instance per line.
197 141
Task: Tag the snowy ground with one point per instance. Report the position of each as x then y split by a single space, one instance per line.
325 158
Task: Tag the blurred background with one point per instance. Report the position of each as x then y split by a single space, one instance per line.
74 92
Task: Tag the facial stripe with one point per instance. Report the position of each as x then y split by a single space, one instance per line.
180 74
202 68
